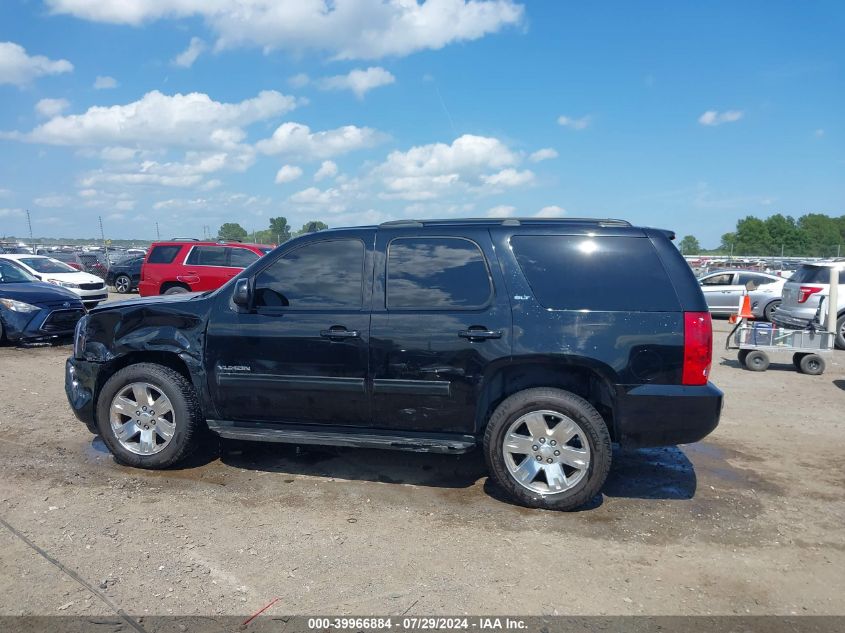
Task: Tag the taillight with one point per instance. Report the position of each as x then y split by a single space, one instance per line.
805 292
698 347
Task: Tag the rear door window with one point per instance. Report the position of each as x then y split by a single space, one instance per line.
207 256
718 280
163 254
568 272
241 257
436 273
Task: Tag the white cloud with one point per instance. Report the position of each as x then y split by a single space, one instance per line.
713 117
159 120
572 123
52 201
509 178
288 173
105 83
328 169
295 139
551 211
819 133
429 171
186 58
358 81
330 200
299 81
49 108
18 68
501 211
543 154
347 29
118 154
4 192
11 213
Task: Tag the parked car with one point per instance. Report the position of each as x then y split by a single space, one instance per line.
89 288
803 292
125 275
192 266
72 259
535 340
765 299
724 288
31 310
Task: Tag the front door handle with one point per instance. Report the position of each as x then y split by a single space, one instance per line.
339 333
479 334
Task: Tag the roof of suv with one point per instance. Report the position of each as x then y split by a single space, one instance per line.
602 222
192 242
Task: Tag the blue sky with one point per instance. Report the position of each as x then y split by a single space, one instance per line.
191 113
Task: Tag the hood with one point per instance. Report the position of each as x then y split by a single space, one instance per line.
74 278
38 293
147 301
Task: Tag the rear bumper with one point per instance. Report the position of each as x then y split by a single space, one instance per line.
80 386
793 319
665 415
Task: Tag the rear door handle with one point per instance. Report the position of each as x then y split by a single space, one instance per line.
338 333
480 334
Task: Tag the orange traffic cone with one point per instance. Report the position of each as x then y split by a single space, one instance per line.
744 310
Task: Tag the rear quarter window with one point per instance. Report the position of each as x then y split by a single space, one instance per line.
163 254
568 272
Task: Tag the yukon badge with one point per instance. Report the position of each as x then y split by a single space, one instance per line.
234 368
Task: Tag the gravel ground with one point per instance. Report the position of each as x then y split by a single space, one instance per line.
748 521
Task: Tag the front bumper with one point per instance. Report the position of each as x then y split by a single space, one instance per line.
666 415
46 324
80 387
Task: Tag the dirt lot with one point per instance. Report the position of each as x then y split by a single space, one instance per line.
752 520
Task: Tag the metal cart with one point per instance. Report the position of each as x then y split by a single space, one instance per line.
757 341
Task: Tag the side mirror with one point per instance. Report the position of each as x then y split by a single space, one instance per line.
241 294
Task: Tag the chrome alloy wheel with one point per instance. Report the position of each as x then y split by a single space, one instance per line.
546 452
142 418
122 284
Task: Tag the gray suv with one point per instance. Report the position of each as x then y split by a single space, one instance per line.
802 293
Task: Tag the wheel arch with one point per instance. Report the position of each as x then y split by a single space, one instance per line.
167 285
578 376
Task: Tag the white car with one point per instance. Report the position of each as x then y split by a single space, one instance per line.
90 288
724 289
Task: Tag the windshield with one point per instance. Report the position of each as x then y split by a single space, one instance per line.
47 265
11 274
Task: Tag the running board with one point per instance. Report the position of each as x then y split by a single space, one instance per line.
343 436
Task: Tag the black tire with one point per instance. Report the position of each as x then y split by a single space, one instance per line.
839 341
741 356
757 360
812 364
189 423
123 284
579 411
176 290
769 311
796 359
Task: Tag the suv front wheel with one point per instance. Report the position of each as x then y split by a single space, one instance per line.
548 448
149 416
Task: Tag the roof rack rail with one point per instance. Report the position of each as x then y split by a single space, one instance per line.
505 222
184 239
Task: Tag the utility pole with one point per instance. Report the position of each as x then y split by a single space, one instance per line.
103 238
158 235
29 224
781 250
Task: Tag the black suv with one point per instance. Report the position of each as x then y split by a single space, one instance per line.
541 341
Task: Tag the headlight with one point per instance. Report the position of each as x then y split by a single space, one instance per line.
64 284
80 337
18 306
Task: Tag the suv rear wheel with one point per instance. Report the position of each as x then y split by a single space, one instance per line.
149 416
548 449
839 341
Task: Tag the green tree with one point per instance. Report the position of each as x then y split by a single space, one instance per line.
787 237
232 231
752 237
822 234
280 229
689 245
312 227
